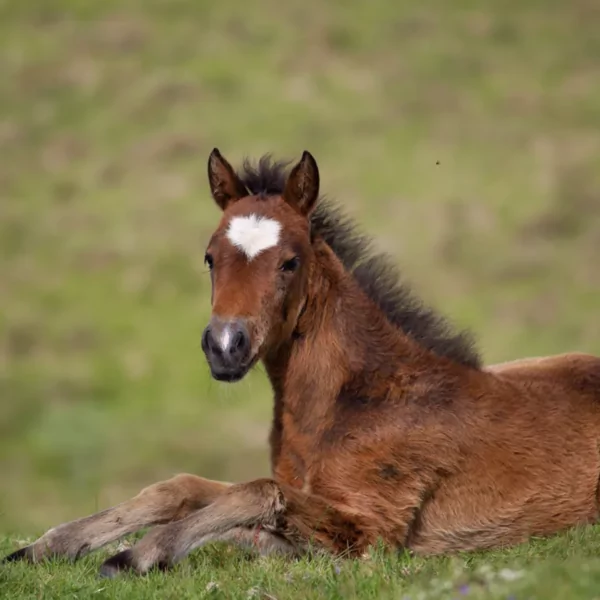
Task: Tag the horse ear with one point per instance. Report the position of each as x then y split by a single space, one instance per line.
225 186
302 187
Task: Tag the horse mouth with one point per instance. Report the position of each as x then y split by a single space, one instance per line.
229 376
232 374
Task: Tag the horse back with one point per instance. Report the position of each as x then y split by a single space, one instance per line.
573 372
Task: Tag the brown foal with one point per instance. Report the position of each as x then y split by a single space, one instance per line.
385 426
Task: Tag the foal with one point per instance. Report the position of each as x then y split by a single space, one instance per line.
385 425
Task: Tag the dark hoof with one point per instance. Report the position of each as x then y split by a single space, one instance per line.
123 561
21 554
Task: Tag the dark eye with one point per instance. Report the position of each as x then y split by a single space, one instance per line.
290 265
208 260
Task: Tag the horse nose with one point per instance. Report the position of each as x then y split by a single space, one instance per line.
226 343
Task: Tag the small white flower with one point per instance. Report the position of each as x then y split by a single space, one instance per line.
212 586
510 575
123 546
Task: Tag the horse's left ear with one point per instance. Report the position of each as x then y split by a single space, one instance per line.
302 187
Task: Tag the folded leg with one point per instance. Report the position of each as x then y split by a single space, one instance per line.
287 519
143 558
241 509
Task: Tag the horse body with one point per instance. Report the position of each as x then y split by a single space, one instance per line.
502 461
386 426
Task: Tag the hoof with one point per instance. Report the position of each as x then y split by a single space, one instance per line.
123 561
21 554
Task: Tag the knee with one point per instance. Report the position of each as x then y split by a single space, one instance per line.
168 496
264 494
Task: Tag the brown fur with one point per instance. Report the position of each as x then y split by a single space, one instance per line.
385 426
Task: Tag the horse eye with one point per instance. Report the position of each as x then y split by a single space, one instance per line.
208 260
290 265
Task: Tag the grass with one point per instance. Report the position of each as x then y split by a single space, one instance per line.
462 135
565 567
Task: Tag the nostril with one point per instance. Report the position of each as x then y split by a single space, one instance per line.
238 341
206 340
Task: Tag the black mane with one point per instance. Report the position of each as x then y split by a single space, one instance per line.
374 272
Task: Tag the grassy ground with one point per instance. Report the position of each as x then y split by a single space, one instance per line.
463 135
562 568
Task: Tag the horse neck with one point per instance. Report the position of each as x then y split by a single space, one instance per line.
343 340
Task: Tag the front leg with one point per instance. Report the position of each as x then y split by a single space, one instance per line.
162 502
242 508
284 519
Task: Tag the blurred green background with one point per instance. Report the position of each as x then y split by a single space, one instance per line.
464 135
